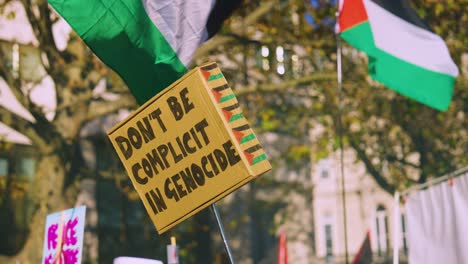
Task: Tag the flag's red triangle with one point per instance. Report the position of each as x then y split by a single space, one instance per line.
238 134
227 115
249 157
206 74
216 95
353 12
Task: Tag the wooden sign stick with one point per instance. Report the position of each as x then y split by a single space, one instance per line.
214 208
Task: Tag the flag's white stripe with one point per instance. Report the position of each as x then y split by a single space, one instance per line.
182 23
409 42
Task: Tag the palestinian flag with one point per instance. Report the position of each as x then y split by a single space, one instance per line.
149 43
404 53
364 255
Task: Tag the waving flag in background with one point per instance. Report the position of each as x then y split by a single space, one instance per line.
149 43
404 53
364 255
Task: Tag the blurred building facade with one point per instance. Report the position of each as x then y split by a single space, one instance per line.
368 208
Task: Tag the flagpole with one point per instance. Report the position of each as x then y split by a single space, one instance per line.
396 226
214 208
340 135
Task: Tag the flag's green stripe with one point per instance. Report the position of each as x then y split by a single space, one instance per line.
215 77
227 98
123 36
360 37
428 87
247 138
235 117
258 159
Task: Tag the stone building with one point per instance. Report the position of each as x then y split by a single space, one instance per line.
368 208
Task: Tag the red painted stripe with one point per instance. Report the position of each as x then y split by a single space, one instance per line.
227 115
249 157
239 135
206 74
352 13
216 95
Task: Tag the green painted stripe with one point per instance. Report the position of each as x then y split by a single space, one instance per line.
215 77
123 37
425 86
235 117
259 158
227 98
247 138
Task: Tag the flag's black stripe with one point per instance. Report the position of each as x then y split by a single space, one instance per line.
209 67
403 10
220 12
241 128
231 107
222 87
253 149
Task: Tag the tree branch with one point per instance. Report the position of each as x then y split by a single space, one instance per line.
42 28
216 41
379 178
12 82
23 126
314 77
102 108
393 158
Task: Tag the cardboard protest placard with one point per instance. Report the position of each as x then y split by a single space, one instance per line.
188 147
63 238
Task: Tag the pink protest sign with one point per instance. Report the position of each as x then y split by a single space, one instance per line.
63 238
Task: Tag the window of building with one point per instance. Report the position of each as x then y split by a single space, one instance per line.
403 234
265 62
27 168
324 166
3 167
324 174
382 230
328 240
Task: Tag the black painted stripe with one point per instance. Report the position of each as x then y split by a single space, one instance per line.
242 128
253 149
209 67
222 87
231 107
403 10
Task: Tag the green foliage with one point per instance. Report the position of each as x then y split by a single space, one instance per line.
298 154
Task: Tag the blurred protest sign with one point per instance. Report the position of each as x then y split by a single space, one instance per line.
63 238
172 252
188 147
